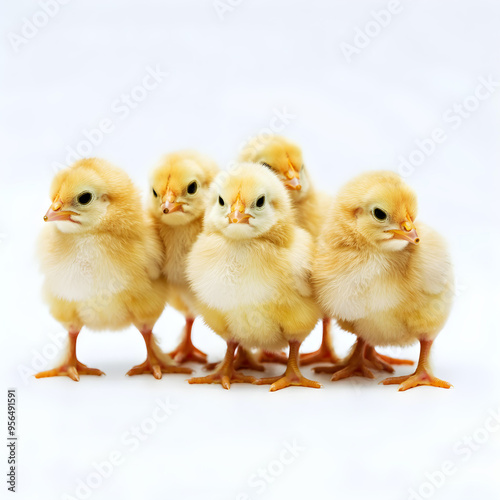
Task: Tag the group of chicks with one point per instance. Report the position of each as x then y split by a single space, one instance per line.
258 253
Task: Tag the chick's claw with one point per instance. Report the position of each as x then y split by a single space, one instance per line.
287 380
186 351
225 372
394 361
410 381
292 375
325 353
223 377
157 368
73 370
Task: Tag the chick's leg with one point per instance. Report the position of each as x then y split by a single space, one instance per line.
71 367
423 373
292 375
383 362
273 357
354 366
186 351
326 352
225 373
156 362
244 360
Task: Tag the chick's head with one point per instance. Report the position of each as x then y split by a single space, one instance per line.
381 209
88 195
247 202
281 156
180 186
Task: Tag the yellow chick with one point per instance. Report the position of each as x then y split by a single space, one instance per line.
178 197
101 261
384 277
285 159
250 270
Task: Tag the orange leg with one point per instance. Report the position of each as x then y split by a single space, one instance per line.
156 362
186 351
244 360
273 357
374 356
354 366
71 367
325 353
225 374
292 375
423 373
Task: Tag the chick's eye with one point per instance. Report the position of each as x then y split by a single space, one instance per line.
192 188
155 194
379 214
260 202
221 202
267 165
84 198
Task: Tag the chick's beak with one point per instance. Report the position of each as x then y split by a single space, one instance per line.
293 178
407 232
237 213
171 205
54 213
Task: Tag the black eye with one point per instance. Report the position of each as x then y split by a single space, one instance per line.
84 198
193 187
260 202
379 214
221 202
155 194
267 165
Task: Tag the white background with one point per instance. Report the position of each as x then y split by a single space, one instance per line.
226 77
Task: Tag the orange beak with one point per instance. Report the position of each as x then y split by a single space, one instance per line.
238 214
293 178
171 205
54 213
407 232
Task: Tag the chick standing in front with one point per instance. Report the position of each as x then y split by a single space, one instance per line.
384 277
101 260
285 159
179 189
250 271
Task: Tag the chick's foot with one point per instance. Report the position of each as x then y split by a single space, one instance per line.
372 355
423 373
325 353
71 368
273 357
292 375
225 373
186 351
244 360
156 362
354 366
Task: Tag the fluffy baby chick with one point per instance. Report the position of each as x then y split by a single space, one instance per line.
285 159
384 277
179 187
250 271
101 261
